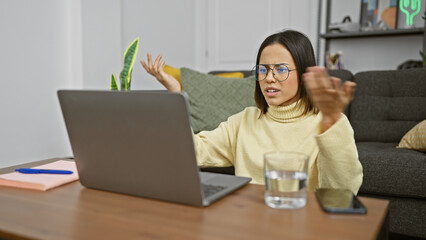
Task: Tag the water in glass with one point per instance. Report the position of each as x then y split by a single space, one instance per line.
285 189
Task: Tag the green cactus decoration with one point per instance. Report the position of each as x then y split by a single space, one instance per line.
406 7
128 62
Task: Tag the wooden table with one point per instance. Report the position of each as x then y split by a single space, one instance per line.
75 212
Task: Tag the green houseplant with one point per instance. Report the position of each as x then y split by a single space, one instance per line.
126 73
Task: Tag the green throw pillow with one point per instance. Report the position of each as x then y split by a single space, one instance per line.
213 99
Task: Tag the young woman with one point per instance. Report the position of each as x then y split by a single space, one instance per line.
299 108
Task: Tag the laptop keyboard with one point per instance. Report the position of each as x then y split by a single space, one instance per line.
209 190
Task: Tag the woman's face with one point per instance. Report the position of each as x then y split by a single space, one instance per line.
278 93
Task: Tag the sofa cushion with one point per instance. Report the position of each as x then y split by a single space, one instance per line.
415 138
231 75
175 72
392 171
387 104
213 99
246 73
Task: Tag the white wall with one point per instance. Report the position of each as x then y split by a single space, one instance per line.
101 42
165 27
36 46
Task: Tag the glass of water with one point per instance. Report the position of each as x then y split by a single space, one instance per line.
286 177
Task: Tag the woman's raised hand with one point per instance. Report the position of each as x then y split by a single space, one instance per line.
328 94
157 70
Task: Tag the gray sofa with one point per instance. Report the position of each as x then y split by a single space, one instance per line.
386 105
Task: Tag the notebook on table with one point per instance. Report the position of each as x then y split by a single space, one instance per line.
139 143
41 182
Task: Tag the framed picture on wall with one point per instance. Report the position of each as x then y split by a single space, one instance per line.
387 14
369 12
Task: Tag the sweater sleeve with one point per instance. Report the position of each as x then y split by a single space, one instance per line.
216 148
337 162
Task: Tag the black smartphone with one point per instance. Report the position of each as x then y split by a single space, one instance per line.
339 201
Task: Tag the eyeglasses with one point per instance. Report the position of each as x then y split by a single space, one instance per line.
280 72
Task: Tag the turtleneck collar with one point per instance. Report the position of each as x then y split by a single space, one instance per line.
285 114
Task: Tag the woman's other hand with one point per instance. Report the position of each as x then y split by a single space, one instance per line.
157 70
328 94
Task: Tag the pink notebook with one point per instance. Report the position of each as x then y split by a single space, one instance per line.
41 182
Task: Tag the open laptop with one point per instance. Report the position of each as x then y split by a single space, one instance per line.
139 143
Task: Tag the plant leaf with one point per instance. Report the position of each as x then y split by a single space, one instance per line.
114 86
128 62
130 78
424 58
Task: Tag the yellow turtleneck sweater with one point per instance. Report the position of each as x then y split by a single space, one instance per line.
242 140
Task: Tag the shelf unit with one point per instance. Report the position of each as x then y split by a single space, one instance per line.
331 35
377 33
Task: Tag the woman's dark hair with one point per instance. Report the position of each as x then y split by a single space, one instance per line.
301 49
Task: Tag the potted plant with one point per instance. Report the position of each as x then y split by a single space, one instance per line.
126 73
